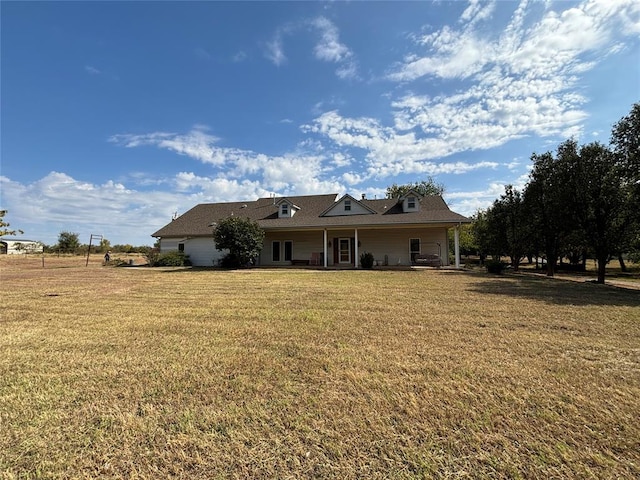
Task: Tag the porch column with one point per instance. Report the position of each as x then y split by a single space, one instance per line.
355 262
324 248
456 245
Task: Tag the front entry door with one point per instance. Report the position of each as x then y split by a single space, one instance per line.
344 250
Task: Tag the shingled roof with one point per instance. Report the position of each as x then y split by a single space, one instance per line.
198 221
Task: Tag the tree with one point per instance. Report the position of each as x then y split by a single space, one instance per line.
242 237
425 187
105 245
68 242
4 230
625 141
548 196
510 226
600 205
485 236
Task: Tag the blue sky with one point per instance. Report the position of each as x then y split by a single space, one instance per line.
117 115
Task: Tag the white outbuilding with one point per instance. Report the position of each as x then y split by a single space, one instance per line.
11 246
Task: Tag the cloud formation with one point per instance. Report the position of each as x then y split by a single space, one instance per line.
521 83
328 47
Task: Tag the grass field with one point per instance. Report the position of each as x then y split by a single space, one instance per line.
185 373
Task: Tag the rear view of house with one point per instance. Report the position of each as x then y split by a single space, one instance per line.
325 230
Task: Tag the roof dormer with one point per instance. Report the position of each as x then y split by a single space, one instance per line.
286 209
410 201
347 205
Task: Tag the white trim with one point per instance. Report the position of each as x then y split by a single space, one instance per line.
357 257
456 244
325 248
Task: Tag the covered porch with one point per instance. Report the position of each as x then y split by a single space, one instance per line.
341 247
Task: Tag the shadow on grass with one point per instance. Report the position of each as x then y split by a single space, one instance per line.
555 291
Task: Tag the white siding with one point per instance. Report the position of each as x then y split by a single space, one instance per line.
17 247
201 250
169 244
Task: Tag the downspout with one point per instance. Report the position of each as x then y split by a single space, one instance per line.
456 247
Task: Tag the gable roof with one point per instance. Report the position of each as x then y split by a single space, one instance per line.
385 212
341 201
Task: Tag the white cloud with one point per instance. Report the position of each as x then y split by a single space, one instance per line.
92 70
518 84
240 56
388 152
122 215
329 47
477 11
296 173
275 50
196 144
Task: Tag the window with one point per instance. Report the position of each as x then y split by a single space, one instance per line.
275 252
288 251
411 202
181 247
347 205
284 210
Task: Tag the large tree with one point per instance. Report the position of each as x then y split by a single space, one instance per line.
548 195
68 242
425 187
242 237
599 202
625 141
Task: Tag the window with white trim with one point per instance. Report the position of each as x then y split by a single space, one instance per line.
411 203
284 210
347 205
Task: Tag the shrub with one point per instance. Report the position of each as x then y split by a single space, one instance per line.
366 260
495 266
172 259
152 256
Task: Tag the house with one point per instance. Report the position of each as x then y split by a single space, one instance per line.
19 246
325 230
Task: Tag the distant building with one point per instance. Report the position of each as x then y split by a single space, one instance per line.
11 246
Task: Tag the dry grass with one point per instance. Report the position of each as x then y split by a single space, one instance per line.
161 373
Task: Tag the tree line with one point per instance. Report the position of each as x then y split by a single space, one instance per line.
581 201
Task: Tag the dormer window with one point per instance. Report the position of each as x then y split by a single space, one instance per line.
410 202
286 209
347 205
